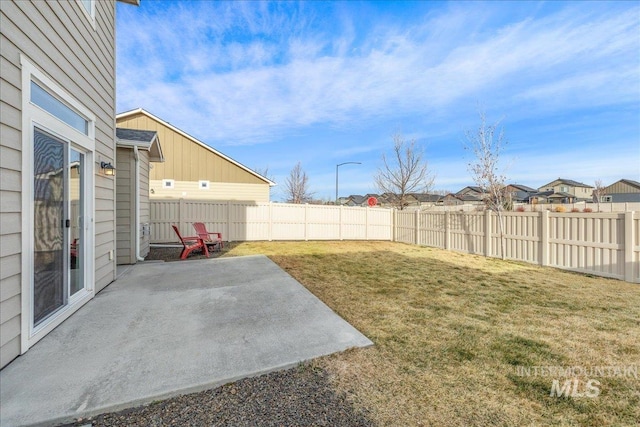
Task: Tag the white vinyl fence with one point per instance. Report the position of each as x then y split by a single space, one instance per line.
603 244
239 221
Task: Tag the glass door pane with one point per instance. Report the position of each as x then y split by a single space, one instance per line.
76 258
49 281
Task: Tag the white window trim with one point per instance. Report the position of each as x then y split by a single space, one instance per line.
206 185
168 184
33 116
91 16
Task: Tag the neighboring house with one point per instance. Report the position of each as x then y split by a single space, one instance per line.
471 190
452 200
520 193
624 190
426 199
355 200
57 210
471 195
136 149
540 197
192 169
393 200
565 189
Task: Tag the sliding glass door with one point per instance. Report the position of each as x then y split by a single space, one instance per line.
58 241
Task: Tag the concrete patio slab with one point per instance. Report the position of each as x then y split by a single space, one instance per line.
164 329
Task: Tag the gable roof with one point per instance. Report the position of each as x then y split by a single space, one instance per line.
426 197
473 188
147 139
523 188
629 182
570 182
357 199
561 195
194 140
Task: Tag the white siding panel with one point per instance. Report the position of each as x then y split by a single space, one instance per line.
11 286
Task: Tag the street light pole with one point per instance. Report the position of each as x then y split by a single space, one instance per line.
337 166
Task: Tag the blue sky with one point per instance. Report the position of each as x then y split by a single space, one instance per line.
322 83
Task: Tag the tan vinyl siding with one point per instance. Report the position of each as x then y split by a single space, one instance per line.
217 191
145 217
186 160
58 39
125 206
621 187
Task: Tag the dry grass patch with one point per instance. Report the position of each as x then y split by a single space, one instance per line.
450 331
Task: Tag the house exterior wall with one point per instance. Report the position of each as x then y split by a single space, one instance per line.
186 160
624 197
623 192
216 191
60 40
621 187
583 192
125 206
145 211
560 187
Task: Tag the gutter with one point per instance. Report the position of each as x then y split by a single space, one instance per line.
137 196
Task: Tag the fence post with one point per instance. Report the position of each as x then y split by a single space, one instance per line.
229 221
447 230
417 229
544 237
394 225
340 224
366 223
270 221
487 233
181 216
306 222
628 246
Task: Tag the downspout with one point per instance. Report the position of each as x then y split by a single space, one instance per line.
137 196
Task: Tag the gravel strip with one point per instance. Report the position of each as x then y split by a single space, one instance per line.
300 396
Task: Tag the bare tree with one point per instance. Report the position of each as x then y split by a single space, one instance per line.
486 145
599 191
297 186
404 172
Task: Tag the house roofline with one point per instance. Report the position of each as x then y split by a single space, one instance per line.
630 182
128 143
193 139
569 182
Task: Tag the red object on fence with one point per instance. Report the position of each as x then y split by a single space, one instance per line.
372 201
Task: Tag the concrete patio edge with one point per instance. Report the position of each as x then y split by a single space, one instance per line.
152 335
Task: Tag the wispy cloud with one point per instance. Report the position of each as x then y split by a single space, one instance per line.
192 63
246 73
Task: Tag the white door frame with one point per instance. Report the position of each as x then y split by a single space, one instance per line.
33 116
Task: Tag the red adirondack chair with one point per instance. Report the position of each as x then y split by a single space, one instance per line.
190 244
213 239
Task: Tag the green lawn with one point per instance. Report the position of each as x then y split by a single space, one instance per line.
451 332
